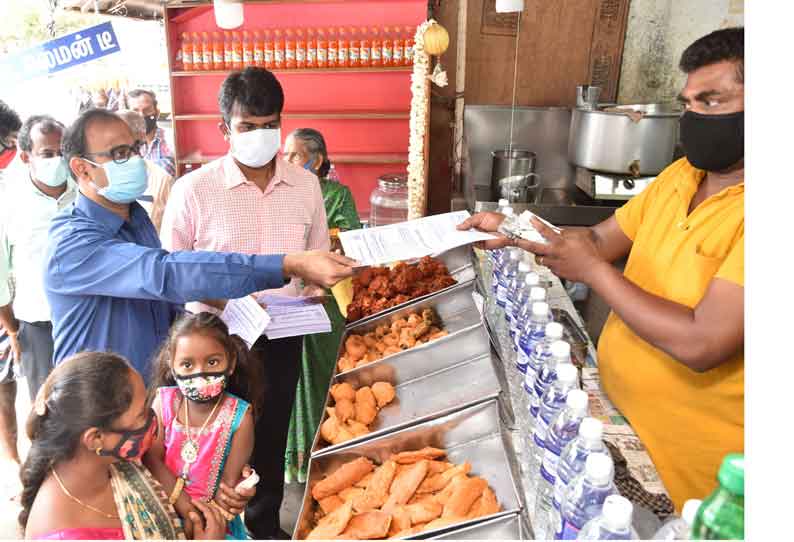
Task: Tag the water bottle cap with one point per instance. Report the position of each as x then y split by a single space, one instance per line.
537 294
503 203
540 308
690 510
617 513
560 349
598 468
566 374
532 279
524 267
554 331
576 400
591 429
731 475
515 255
508 211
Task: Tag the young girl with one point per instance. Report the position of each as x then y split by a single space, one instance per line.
206 431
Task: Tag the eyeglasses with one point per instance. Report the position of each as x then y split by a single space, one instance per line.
121 153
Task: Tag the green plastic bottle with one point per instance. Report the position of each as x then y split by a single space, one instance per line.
721 516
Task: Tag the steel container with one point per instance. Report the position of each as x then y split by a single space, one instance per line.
610 141
505 528
474 434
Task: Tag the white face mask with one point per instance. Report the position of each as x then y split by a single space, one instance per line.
51 171
257 147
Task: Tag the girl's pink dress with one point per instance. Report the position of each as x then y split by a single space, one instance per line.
214 443
86 533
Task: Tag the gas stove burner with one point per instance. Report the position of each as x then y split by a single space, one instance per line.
609 186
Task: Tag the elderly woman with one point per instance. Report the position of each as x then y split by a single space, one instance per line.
306 147
83 479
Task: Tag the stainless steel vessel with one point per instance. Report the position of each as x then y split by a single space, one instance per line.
611 141
513 175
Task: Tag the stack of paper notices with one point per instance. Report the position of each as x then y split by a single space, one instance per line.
283 317
408 240
294 316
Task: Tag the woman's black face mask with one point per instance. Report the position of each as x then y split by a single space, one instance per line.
134 443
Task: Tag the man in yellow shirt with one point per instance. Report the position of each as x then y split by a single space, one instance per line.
671 355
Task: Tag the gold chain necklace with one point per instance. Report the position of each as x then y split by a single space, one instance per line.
190 448
78 501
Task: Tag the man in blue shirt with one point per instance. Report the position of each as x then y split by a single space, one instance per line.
110 285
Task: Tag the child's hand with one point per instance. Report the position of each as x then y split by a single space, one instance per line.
233 501
212 528
184 508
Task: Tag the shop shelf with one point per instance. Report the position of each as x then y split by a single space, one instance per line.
346 158
330 115
305 71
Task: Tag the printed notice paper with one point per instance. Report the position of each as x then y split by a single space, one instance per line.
245 318
409 240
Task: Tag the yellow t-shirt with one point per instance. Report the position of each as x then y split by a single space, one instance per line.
687 420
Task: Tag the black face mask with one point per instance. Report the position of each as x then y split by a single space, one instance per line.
151 123
134 443
712 142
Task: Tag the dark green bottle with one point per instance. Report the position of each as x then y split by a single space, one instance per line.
721 516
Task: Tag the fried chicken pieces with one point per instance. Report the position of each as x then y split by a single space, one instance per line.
403 334
411 492
354 410
379 288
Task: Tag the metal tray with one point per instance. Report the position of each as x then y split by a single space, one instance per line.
458 262
504 528
430 383
474 434
454 306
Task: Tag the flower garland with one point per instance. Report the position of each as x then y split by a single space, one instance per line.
420 99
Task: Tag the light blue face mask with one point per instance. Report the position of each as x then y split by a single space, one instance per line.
127 181
308 166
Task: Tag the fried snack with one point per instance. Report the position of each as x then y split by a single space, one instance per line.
329 504
351 494
366 406
364 482
344 410
404 485
418 455
345 364
343 390
485 505
342 478
378 488
425 511
400 520
437 467
329 430
384 393
333 524
368 526
445 494
463 497
435 483
356 428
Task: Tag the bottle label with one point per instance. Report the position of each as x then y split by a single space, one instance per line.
559 491
364 54
228 58
332 54
398 54
311 54
289 54
409 52
541 429
386 53
322 55
569 531
259 56
279 55
341 54
217 58
550 462
354 55
537 439
197 58
521 362
248 57
375 53
544 472
300 55
237 57
269 57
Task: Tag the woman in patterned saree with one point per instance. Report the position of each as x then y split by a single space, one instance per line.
306 147
83 479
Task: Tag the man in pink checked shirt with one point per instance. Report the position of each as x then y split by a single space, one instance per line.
254 202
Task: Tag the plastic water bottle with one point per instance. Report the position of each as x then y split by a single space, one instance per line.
540 354
533 333
515 286
333 175
522 307
500 208
721 516
614 522
680 528
507 275
560 354
551 403
499 262
573 457
585 496
563 429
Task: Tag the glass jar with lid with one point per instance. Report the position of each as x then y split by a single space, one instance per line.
389 200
